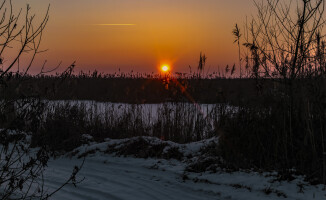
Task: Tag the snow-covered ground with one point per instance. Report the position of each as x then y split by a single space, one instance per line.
108 176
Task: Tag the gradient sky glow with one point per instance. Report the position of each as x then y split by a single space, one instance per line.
140 35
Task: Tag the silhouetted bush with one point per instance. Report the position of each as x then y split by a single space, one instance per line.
286 131
61 129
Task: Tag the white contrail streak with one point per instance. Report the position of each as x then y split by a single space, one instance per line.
114 24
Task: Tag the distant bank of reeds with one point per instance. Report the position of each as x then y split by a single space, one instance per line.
133 89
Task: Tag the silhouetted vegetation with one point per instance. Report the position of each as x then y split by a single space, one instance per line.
288 129
137 90
21 166
65 123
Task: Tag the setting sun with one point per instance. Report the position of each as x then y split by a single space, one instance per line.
165 68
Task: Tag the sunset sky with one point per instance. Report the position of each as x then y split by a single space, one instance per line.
140 35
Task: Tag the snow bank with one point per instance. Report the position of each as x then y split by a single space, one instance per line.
114 170
127 178
138 145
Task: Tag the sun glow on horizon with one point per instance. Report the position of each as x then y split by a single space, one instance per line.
165 68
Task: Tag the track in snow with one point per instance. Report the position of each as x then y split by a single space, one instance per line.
127 178
120 178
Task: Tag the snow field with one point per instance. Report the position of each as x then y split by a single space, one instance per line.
108 176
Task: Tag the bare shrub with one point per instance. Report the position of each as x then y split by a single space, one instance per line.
287 130
21 166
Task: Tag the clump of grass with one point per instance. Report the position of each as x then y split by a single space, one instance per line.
62 128
64 123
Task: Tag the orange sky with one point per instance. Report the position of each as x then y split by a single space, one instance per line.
163 31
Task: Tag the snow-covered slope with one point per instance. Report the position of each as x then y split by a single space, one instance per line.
108 176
